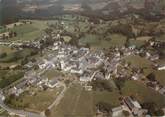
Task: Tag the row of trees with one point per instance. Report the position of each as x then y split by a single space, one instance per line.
10 35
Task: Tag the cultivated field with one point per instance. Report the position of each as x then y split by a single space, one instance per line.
78 102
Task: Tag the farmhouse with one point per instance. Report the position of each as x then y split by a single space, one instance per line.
133 106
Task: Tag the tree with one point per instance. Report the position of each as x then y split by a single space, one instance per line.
126 113
67 82
2 55
24 61
104 107
3 36
47 112
159 112
15 34
119 83
36 67
151 77
10 34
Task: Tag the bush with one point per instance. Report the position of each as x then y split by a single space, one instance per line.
2 55
119 83
151 77
104 107
47 112
153 109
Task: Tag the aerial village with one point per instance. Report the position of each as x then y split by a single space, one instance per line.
85 66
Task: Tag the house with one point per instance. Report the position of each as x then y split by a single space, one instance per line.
52 83
128 101
29 65
99 75
132 47
77 71
135 77
15 66
2 96
161 67
46 64
42 64
154 57
19 88
118 111
33 81
85 78
133 106
162 91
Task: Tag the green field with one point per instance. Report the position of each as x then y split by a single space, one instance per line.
114 40
15 56
80 103
7 77
138 62
160 76
2 29
53 73
6 49
143 93
27 32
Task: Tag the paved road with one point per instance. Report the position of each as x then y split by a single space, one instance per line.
18 112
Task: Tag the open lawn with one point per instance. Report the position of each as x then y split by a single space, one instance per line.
114 40
6 49
117 40
142 93
109 97
53 73
161 38
78 102
138 62
29 31
160 76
